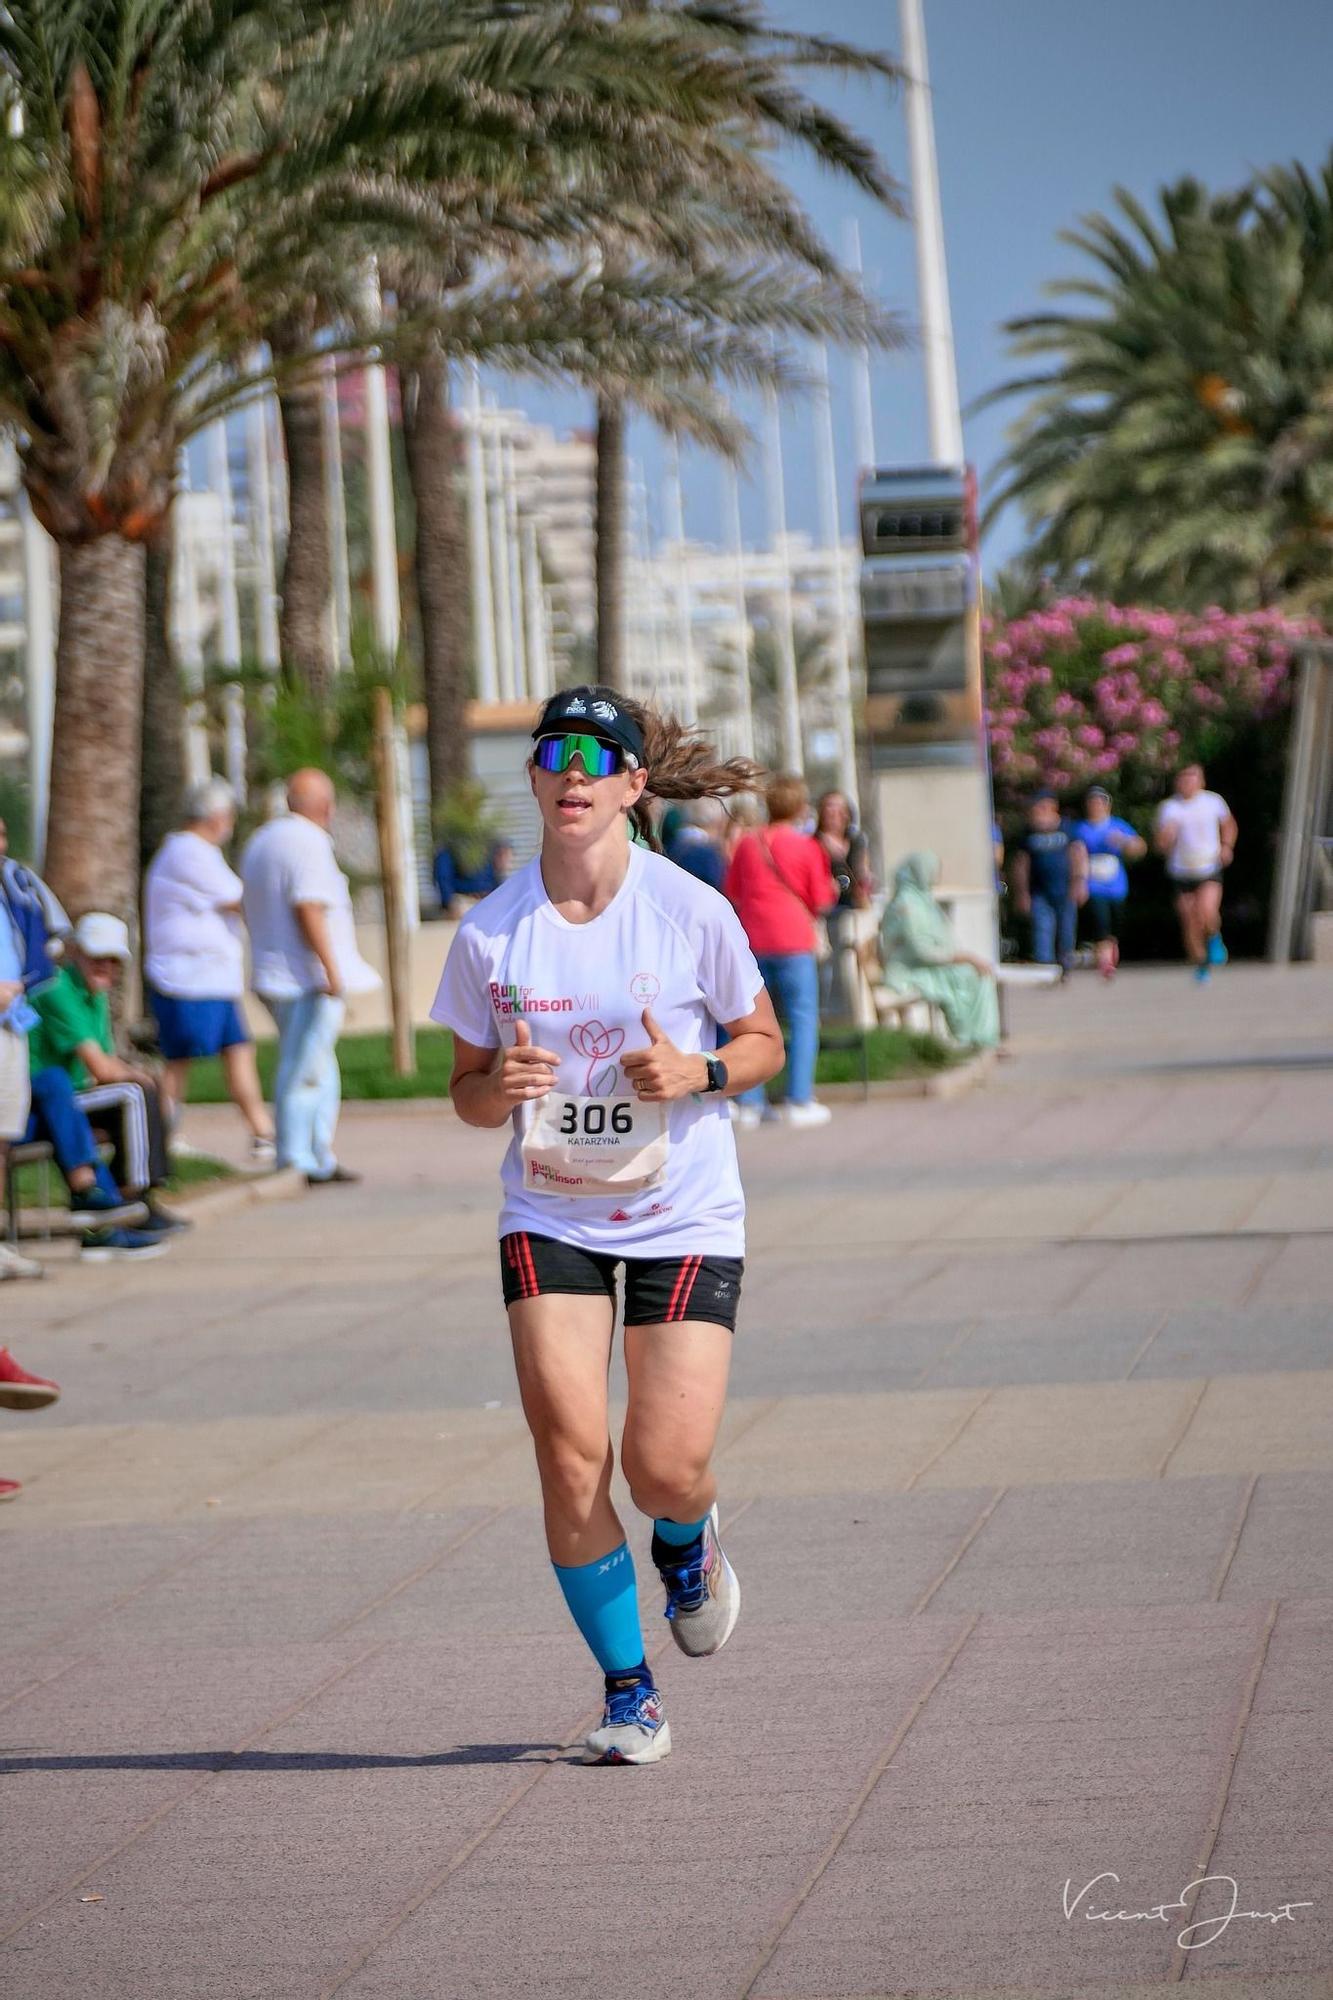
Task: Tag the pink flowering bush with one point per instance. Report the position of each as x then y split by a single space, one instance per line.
1081 691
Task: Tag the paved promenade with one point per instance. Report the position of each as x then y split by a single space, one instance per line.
1029 1475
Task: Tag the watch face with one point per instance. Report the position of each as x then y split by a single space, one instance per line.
717 1074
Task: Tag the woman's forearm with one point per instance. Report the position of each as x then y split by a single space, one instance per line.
750 1059
478 1098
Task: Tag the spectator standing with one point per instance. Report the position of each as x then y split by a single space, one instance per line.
194 959
848 854
779 882
76 1075
1109 843
696 845
29 916
305 963
1048 873
1197 833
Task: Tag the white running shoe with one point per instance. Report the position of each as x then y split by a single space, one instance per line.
703 1595
12 1265
633 1728
746 1117
809 1114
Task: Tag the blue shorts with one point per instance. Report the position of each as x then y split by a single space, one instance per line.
189 1028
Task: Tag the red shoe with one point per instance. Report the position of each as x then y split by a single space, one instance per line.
21 1391
9 1489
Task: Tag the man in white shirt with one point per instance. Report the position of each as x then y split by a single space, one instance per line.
305 963
1196 832
194 962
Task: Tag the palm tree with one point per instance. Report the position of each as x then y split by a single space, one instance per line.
164 163
1176 443
169 171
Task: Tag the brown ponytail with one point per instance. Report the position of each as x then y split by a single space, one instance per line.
681 764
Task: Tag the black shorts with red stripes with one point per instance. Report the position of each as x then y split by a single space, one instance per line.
657 1289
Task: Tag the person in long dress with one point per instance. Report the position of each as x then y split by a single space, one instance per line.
921 954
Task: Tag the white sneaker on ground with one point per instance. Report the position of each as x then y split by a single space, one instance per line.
812 1113
746 1117
263 1152
12 1265
633 1729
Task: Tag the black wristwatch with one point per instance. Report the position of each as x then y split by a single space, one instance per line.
717 1073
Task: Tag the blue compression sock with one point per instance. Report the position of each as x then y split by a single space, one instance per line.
679 1534
604 1605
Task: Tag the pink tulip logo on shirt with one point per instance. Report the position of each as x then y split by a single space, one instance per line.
599 1046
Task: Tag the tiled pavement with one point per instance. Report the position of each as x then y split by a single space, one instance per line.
1030 1470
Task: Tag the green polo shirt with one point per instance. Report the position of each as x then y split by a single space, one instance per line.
69 1016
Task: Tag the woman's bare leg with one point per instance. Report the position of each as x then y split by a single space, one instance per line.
677 1393
562 1354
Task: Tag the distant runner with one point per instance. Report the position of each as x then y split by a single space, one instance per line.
1109 843
1197 833
585 995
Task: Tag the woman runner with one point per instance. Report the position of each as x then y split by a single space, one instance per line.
584 996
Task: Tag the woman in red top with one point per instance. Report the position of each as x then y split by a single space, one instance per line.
779 881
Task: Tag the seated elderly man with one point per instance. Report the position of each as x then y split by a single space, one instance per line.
76 1074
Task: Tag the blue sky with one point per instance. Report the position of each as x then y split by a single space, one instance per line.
1041 107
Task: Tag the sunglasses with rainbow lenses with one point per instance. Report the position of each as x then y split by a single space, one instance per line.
600 760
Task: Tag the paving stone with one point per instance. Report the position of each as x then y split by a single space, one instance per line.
1028 1436
1286 1549
1265 1423
1090 1345
1113 1542
1209 1340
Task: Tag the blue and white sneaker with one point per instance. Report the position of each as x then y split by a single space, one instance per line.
703 1594
1217 951
633 1729
1201 975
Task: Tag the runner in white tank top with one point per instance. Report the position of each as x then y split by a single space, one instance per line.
585 997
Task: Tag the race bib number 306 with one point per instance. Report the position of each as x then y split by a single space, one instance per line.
594 1146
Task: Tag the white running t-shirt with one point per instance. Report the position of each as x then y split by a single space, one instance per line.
1197 848
665 941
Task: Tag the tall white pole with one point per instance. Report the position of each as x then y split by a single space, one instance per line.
188 626
229 610
379 480
504 633
741 613
863 408
384 584
826 473
259 474
945 417
689 699
483 614
789 695
39 664
335 494
517 623
539 672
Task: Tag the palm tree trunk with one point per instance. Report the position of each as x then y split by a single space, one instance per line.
612 522
92 848
162 783
305 626
431 442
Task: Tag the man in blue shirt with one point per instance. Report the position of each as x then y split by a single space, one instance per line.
1109 843
1048 875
